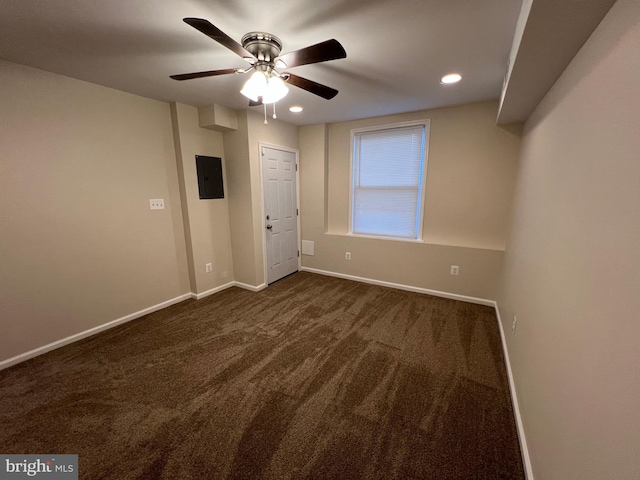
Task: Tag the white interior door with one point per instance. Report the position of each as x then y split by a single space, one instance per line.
281 213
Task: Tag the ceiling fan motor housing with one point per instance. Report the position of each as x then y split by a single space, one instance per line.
264 46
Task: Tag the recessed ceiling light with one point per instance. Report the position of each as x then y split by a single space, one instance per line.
451 78
295 109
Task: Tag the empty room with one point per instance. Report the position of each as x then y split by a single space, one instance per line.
320 240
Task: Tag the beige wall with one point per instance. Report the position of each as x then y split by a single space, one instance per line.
206 222
572 267
80 247
238 163
470 176
313 182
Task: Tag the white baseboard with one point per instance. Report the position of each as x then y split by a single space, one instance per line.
436 293
526 460
127 318
92 331
198 296
246 286
482 301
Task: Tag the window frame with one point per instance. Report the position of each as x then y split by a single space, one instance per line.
424 123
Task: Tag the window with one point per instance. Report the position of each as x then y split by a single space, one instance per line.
388 177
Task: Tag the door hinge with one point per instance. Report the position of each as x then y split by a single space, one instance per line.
296 167
297 212
298 253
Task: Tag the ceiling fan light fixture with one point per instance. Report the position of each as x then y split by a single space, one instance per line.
262 51
255 86
295 109
275 90
451 78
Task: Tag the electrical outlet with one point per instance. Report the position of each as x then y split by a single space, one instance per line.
156 203
514 324
208 267
454 269
347 255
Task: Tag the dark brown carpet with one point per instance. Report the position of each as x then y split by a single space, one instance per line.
314 377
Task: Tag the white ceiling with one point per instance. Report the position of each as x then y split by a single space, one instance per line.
397 50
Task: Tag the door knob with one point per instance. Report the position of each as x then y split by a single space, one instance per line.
269 227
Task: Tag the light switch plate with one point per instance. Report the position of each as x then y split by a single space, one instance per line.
156 203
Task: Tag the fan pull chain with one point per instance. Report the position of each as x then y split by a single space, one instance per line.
274 110
265 113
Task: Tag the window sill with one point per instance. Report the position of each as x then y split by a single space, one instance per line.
381 237
420 241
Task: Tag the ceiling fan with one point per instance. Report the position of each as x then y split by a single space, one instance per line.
262 51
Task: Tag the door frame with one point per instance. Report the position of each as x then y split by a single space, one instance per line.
263 213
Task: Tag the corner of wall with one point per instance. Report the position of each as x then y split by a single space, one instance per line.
175 123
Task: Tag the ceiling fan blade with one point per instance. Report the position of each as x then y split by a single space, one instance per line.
320 52
310 86
209 73
219 36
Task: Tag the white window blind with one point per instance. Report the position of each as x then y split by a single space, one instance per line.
388 180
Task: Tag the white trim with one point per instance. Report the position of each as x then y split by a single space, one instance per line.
426 242
198 296
298 210
263 237
253 288
296 152
383 237
426 124
524 450
352 155
92 331
452 296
